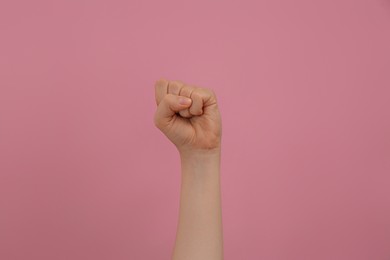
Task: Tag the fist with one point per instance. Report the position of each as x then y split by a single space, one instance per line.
188 116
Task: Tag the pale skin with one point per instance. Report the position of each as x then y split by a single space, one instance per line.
195 129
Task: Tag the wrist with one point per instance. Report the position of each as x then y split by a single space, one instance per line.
201 155
201 164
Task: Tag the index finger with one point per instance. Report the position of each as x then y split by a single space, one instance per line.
161 89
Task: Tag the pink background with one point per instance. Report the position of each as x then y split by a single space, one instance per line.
303 88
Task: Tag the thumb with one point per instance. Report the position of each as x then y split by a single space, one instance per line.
168 107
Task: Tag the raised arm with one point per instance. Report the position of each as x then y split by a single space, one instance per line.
195 128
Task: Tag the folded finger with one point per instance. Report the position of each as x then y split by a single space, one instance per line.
161 89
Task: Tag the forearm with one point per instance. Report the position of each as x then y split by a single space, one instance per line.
199 231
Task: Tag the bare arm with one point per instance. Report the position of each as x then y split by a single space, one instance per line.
199 232
195 128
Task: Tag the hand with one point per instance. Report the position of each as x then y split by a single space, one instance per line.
188 116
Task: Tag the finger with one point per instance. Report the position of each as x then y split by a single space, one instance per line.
168 107
201 98
186 91
185 113
161 89
175 86
196 108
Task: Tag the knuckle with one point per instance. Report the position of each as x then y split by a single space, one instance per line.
173 87
196 94
212 95
186 90
160 81
205 93
178 82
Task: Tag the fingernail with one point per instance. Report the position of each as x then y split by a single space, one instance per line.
185 101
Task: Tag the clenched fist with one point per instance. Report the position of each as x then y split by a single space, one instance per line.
188 116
